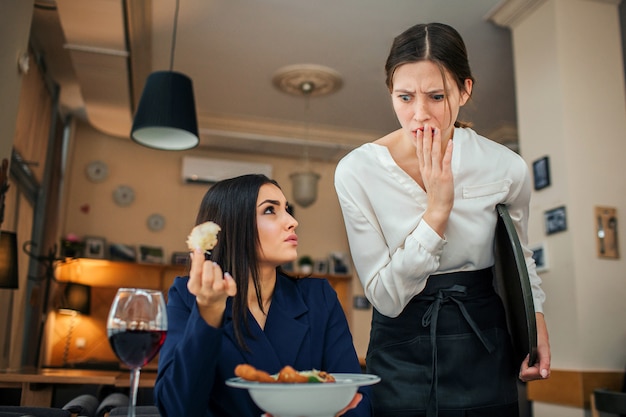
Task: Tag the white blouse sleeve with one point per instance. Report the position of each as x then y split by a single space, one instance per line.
391 276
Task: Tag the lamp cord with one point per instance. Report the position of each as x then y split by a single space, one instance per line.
174 35
307 90
68 339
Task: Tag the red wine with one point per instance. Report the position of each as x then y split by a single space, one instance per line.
135 348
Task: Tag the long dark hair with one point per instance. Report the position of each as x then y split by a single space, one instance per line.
435 42
231 204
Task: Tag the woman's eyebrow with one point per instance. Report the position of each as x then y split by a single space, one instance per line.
274 202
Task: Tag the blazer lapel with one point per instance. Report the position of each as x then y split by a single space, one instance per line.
287 323
285 329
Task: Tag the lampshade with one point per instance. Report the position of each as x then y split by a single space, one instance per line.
305 187
166 116
76 297
8 260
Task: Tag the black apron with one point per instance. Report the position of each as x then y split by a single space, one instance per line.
447 354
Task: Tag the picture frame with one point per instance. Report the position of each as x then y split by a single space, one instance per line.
555 220
72 248
180 258
605 225
541 173
540 255
150 254
320 266
122 252
94 247
338 264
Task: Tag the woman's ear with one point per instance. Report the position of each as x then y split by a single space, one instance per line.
467 91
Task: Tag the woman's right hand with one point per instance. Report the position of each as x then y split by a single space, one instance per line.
211 288
435 164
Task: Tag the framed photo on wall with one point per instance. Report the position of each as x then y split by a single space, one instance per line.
320 266
338 263
180 258
541 173
556 220
123 253
540 255
605 222
150 254
95 247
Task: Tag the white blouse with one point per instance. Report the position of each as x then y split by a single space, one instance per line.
394 252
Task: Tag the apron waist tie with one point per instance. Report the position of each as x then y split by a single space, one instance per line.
430 318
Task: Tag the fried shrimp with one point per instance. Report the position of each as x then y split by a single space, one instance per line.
287 375
250 373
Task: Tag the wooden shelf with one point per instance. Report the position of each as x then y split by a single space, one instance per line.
104 277
113 274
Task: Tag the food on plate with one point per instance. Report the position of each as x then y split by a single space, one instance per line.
250 373
286 375
203 236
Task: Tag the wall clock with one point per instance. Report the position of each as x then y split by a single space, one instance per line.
156 222
123 195
97 171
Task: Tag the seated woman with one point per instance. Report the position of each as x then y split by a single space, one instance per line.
253 313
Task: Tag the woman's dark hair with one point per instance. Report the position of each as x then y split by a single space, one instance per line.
435 42
231 204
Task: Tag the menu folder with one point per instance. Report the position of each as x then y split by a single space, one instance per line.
513 286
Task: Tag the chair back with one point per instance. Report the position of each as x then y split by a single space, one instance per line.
84 405
111 401
608 401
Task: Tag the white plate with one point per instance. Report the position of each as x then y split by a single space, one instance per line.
307 399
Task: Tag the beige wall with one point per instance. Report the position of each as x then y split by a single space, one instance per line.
15 20
571 105
14 31
156 178
577 117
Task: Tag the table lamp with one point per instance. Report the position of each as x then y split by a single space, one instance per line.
76 299
8 260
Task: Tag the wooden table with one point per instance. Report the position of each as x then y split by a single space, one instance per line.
38 385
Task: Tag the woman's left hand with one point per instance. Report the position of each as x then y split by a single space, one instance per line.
541 369
355 401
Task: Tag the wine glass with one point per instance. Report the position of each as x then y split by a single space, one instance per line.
136 327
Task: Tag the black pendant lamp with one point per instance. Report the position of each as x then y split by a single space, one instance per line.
166 116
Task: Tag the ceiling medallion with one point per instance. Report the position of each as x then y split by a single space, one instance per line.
307 79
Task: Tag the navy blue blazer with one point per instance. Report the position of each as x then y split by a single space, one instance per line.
305 328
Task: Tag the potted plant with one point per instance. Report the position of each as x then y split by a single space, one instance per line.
305 264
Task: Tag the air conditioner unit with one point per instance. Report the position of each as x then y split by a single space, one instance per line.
209 171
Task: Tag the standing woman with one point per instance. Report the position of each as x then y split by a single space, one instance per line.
419 205
253 314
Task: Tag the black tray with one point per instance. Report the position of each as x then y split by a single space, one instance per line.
513 286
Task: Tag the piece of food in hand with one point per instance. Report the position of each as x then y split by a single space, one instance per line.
287 375
203 236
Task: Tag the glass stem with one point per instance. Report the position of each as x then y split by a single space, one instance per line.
134 386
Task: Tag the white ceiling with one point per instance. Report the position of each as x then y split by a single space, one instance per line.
100 51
